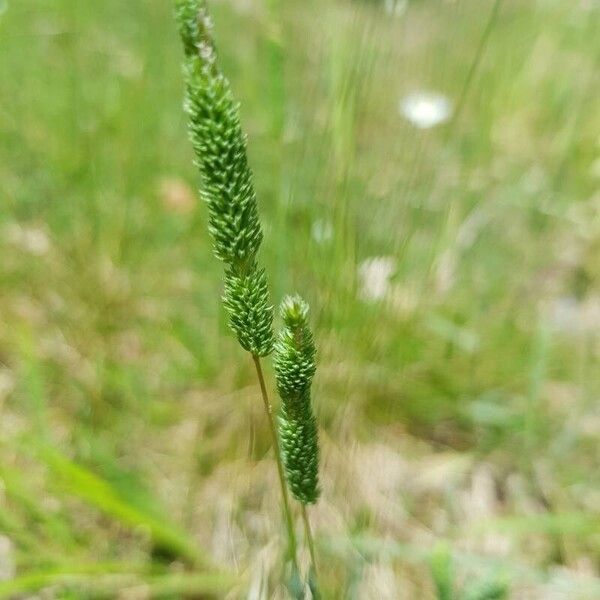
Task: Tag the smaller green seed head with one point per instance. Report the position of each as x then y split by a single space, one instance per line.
295 367
294 311
295 349
300 450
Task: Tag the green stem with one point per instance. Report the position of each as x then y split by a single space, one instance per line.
284 494
478 56
309 538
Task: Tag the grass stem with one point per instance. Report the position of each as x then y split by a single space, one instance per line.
284 493
477 60
309 538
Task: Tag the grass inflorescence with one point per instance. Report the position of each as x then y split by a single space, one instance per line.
295 368
227 188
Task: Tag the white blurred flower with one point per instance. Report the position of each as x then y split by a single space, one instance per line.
565 314
31 239
425 109
395 7
321 231
572 317
375 274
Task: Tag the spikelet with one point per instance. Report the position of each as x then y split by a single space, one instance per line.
295 367
226 180
251 318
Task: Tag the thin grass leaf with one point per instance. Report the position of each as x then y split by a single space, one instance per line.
96 492
109 578
67 575
566 523
54 528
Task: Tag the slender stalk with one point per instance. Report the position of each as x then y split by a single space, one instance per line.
309 538
284 494
478 56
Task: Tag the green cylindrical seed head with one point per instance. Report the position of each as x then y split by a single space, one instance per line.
300 451
226 180
295 368
218 141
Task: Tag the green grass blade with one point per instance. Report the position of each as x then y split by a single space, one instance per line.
97 492
106 579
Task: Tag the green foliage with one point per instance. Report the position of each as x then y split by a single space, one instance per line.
108 580
97 492
442 572
487 590
227 188
295 367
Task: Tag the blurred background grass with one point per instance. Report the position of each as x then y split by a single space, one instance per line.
453 273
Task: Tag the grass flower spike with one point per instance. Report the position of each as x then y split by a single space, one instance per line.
226 180
295 368
226 187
